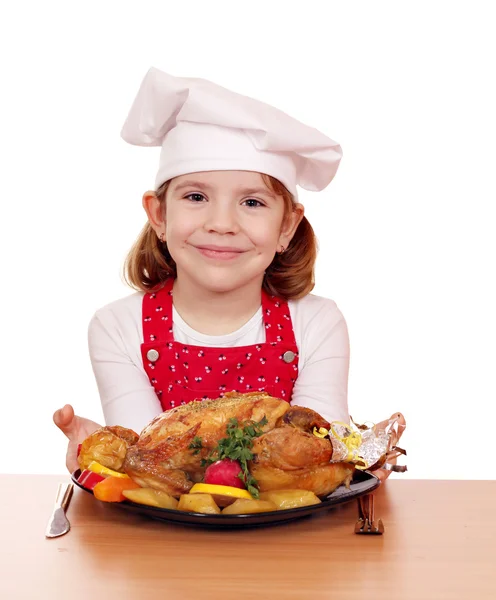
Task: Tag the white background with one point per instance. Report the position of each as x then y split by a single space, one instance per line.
406 229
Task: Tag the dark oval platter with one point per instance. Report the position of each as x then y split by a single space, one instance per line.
363 483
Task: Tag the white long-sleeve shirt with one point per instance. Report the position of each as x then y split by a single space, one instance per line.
128 399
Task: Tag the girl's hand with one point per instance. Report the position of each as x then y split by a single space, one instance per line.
77 429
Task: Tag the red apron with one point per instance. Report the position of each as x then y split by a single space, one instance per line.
181 373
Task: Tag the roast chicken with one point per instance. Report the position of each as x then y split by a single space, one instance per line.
287 455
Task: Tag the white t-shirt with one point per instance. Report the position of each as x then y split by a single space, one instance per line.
128 399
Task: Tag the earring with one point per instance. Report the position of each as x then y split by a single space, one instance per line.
161 237
282 250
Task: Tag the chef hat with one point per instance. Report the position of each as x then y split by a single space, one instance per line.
202 126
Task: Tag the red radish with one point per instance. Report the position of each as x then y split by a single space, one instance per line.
224 472
88 479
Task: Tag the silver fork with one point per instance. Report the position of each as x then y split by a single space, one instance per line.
366 523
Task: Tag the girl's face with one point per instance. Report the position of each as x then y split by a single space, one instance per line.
223 228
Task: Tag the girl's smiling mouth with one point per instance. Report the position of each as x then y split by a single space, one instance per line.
220 252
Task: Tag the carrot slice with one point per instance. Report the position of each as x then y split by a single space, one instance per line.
111 488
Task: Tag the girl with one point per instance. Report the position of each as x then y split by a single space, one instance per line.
223 268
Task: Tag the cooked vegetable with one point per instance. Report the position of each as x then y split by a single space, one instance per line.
88 479
107 446
150 497
246 507
225 472
285 499
111 488
199 503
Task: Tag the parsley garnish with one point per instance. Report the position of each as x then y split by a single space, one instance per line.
196 445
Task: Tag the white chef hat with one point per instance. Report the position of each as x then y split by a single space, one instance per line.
202 126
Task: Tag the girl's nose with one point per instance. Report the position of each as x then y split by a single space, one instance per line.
221 219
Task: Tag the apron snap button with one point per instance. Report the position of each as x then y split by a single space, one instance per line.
152 355
288 356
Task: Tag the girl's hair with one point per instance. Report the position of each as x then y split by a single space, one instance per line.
290 275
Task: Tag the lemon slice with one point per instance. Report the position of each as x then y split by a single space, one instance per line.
222 494
101 470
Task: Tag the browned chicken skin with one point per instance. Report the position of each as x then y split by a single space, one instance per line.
290 457
163 446
303 418
290 448
286 456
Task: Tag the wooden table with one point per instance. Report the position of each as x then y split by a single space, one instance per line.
440 542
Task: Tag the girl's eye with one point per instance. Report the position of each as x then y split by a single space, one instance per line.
195 197
251 202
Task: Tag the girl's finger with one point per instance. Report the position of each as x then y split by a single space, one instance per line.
65 420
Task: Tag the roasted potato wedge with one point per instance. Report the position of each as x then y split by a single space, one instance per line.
151 497
246 507
199 503
285 499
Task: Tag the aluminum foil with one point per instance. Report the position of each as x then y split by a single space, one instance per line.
368 446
